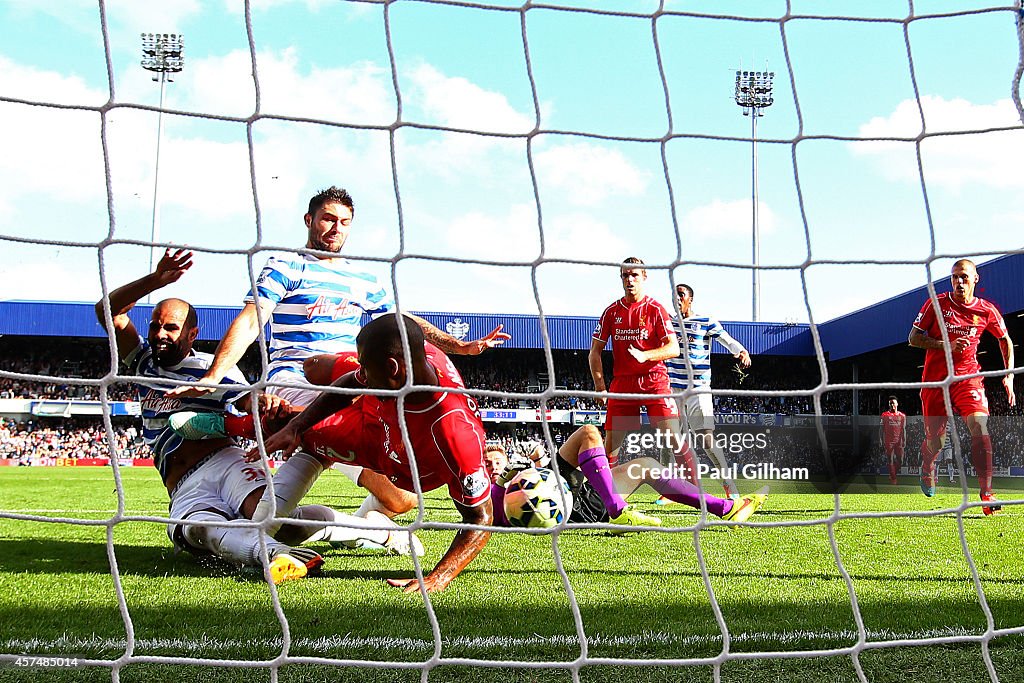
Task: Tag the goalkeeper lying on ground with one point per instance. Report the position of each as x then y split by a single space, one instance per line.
599 492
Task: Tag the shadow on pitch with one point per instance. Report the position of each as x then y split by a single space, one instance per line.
45 556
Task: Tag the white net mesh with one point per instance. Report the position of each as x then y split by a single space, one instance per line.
398 147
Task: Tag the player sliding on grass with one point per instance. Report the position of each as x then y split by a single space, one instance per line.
208 480
894 438
314 303
445 431
595 495
965 317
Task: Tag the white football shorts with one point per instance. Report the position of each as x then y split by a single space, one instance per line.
221 483
697 411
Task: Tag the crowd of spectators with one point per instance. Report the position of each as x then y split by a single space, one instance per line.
512 371
67 438
57 358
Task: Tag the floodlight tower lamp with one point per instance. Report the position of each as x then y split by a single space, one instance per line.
753 93
163 54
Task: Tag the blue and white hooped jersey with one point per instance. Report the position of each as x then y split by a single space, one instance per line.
156 408
318 307
695 335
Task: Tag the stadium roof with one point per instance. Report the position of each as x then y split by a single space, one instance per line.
60 319
874 327
888 322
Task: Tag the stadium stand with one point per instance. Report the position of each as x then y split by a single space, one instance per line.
62 340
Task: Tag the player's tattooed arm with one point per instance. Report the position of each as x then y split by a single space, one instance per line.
466 545
450 344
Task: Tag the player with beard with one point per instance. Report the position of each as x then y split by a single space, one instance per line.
965 317
315 303
209 480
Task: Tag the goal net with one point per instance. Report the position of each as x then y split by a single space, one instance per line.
504 159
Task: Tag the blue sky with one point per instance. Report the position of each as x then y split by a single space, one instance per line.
602 180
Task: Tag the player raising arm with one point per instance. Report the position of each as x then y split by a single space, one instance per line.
445 432
209 480
965 317
691 370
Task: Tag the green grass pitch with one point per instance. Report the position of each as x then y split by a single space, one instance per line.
640 596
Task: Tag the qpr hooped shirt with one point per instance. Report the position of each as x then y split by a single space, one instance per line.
961 320
318 307
446 434
644 325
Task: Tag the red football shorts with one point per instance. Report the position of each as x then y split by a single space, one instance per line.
894 450
967 396
624 414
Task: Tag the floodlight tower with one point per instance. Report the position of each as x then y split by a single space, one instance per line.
754 95
163 54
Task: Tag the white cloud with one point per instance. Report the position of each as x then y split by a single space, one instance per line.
202 169
48 281
582 236
46 148
127 16
138 17
950 161
358 93
459 103
28 83
721 219
587 174
509 237
512 237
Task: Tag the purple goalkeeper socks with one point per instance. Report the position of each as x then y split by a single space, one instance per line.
595 467
682 491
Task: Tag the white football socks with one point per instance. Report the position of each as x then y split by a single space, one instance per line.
292 481
340 527
240 546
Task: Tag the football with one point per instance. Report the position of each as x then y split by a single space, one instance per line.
532 499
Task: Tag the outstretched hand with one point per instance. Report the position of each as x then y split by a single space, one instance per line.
287 441
494 338
172 265
432 584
